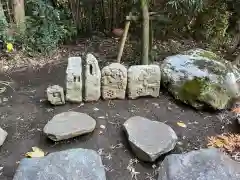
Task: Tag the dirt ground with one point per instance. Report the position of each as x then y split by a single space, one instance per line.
24 112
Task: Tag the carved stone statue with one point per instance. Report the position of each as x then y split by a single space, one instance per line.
114 81
55 95
144 80
92 79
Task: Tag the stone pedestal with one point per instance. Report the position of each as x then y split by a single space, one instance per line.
114 81
92 79
144 80
55 95
74 80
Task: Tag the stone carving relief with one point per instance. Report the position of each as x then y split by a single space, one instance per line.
144 80
55 95
114 81
92 79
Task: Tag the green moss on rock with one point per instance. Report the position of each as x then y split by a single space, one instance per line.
201 90
209 55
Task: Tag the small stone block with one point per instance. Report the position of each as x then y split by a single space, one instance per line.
93 79
114 81
55 95
74 80
144 80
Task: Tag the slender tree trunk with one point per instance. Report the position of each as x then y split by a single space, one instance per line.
103 17
2 15
19 14
145 33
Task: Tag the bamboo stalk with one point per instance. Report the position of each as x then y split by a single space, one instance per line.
145 33
123 40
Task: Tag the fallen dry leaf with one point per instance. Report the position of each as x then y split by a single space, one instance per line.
181 124
37 152
230 143
236 110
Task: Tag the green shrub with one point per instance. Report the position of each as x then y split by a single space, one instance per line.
46 27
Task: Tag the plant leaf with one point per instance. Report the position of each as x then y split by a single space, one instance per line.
37 152
236 110
181 124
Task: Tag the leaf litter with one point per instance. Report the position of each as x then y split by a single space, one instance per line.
228 142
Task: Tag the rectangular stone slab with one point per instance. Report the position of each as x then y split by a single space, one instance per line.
74 80
144 80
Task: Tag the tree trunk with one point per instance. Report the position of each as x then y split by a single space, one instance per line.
19 14
145 33
2 15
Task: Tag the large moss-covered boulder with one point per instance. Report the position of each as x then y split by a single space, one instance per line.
200 78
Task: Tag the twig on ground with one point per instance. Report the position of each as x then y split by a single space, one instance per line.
5 83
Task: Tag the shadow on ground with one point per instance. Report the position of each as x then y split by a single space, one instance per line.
25 113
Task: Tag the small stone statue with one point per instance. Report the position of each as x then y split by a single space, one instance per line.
55 95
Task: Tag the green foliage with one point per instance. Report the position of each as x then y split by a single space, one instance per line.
46 26
187 7
215 22
183 14
206 20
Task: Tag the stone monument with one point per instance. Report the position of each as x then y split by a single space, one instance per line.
114 81
92 79
55 95
144 80
74 79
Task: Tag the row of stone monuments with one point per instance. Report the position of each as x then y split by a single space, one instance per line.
86 82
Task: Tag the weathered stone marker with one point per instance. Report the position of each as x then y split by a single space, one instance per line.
114 81
144 80
74 79
72 164
55 95
92 79
68 125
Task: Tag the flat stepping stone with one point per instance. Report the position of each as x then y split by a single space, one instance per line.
73 164
68 125
149 139
3 136
204 164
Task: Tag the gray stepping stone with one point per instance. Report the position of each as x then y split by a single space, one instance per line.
73 164
149 139
68 125
3 136
204 164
